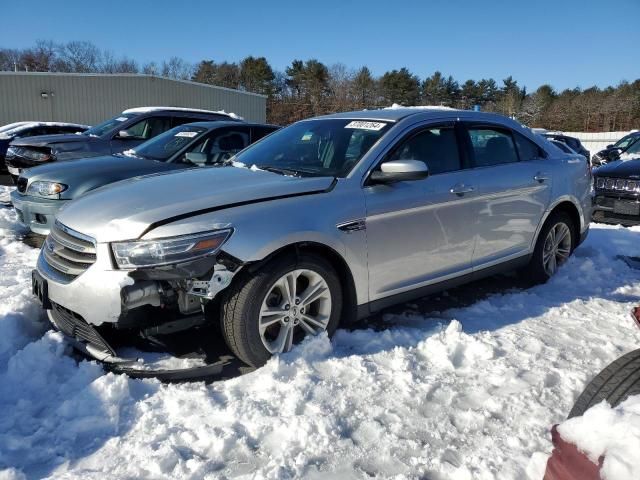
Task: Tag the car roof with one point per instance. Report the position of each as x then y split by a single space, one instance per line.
179 109
397 113
224 123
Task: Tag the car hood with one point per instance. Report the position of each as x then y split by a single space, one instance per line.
127 209
86 174
620 168
46 140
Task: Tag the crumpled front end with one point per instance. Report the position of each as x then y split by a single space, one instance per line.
92 301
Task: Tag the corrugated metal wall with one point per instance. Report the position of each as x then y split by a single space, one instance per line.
90 99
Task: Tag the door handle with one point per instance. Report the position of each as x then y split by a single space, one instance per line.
541 177
461 189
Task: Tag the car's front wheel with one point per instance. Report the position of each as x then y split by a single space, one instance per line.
270 310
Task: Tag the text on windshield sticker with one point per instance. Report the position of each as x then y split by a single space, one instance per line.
186 134
366 125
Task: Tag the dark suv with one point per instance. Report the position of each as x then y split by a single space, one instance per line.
573 142
612 152
12 132
123 132
617 186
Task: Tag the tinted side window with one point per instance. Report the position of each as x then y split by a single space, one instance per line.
219 146
527 150
492 146
259 132
176 121
436 146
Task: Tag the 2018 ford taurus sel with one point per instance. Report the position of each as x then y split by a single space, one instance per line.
318 224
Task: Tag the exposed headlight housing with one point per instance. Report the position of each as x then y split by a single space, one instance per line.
166 251
46 189
35 155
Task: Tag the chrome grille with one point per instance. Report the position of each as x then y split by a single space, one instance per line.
68 252
617 184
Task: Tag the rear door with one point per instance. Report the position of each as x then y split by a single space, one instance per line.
513 181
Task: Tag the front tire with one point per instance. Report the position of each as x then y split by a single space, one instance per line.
555 244
615 384
268 311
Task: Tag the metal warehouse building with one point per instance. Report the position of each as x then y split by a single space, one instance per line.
92 98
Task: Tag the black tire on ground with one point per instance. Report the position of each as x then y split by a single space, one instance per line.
535 271
240 308
614 384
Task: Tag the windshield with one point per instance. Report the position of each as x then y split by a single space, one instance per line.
111 124
167 144
635 148
315 147
624 142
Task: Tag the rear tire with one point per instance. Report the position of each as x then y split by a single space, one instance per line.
548 250
615 384
266 311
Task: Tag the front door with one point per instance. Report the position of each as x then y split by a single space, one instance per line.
420 232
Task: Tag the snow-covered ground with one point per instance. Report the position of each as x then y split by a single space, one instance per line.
470 392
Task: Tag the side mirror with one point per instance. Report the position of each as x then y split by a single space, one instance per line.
400 171
610 146
197 158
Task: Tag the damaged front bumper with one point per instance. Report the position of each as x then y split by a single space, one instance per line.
102 302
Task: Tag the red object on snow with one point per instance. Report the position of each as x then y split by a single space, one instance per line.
569 463
635 314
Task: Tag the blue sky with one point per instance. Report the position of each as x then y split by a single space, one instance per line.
566 43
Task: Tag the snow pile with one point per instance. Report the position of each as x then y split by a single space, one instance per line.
629 156
181 109
464 393
612 432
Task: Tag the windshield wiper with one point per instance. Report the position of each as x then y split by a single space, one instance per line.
281 171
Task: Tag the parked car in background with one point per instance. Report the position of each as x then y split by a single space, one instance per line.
563 146
43 190
573 142
123 132
14 131
322 222
617 186
11 126
613 152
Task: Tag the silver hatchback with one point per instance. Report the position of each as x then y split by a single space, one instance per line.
316 225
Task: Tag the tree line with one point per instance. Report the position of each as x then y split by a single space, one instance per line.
309 87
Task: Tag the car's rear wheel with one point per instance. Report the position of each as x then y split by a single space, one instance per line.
555 244
615 384
268 311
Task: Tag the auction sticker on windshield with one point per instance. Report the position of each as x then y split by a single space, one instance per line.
366 125
122 119
186 134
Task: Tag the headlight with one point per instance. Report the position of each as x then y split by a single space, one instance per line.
165 251
46 189
35 155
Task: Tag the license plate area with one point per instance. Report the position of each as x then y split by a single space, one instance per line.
14 170
40 289
623 207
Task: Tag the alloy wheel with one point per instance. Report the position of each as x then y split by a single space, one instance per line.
557 248
297 304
